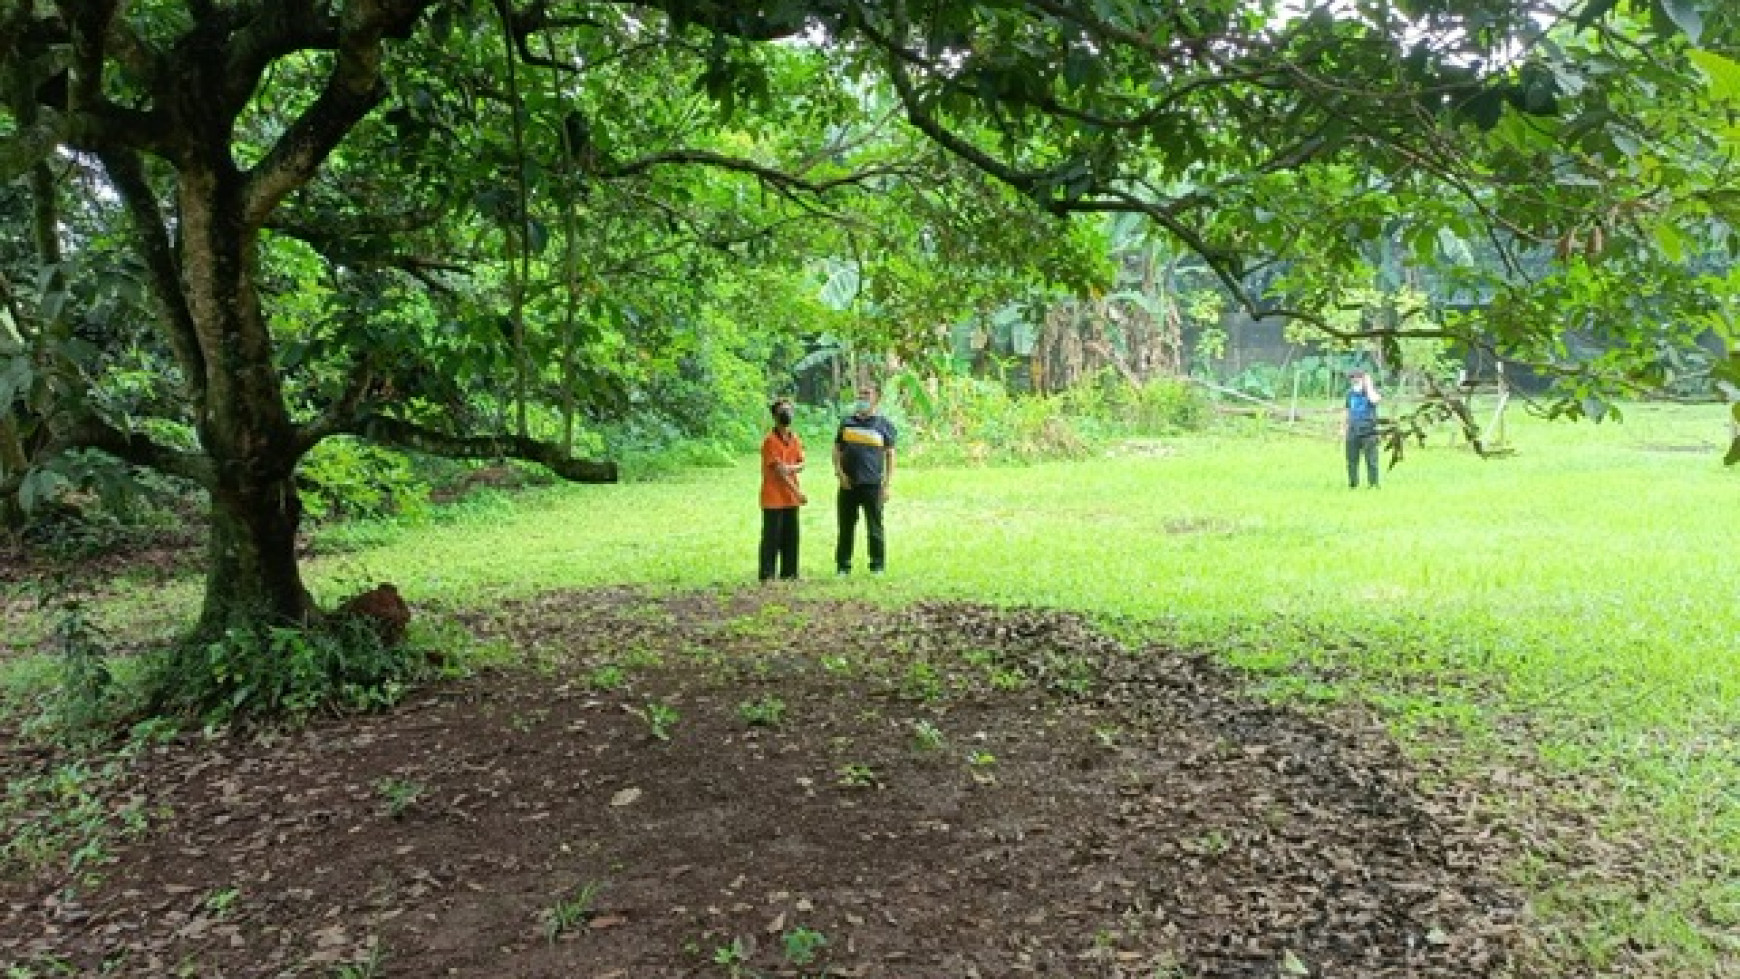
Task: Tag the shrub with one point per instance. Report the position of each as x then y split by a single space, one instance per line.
968 419
342 477
275 671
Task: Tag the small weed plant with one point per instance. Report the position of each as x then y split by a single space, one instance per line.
571 910
86 684
802 946
399 794
607 678
926 736
641 656
660 718
856 775
766 711
371 966
923 682
221 902
733 958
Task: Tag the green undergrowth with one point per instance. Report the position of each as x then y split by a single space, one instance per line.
1573 602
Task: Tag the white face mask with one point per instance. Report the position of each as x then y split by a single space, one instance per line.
861 408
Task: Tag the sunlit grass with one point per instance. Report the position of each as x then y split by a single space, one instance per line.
1587 583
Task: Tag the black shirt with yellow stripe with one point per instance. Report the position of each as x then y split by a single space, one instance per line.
863 444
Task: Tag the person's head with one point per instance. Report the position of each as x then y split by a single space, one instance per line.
864 405
782 411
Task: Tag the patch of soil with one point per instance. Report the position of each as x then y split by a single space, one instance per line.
156 555
950 791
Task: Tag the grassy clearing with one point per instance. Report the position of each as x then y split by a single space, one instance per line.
1585 585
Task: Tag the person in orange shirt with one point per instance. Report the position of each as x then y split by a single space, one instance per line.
782 458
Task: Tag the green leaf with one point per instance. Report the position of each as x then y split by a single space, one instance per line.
1726 370
1724 73
1291 966
1484 109
1733 455
1671 242
1596 10
1681 14
441 24
15 378
40 486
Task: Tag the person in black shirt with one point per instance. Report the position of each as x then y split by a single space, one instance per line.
864 465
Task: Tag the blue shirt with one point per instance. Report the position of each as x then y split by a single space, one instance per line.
1361 410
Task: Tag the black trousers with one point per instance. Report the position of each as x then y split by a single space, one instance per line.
779 542
851 501
1362 441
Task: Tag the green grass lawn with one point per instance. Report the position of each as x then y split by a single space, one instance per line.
1586 585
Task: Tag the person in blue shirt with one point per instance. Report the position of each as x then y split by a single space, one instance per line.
864 465
1359 427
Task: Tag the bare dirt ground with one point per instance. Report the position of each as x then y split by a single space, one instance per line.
758 784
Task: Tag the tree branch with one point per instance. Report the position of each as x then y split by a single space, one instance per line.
407 435
88 23
780 180
334 234
271 30
352 91
127 173
342 414
30 146
135 448
1025 182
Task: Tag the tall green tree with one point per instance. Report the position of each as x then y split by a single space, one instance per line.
1251 131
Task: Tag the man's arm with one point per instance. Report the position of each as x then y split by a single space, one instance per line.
887 472
790 481
840 466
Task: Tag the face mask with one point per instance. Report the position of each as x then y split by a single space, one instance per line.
860 407
782 416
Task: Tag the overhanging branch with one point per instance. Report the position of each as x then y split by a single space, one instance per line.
407 435
135 448
780 180
352 90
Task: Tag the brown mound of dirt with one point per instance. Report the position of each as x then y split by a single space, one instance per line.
382 608
705 786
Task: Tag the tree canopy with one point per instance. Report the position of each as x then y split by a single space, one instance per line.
245 227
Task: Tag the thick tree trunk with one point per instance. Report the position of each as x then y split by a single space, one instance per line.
12 467
252 577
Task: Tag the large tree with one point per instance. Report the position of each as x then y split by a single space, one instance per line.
1252 132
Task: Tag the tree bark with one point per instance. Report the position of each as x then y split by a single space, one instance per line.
13 465
252 577
252 574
